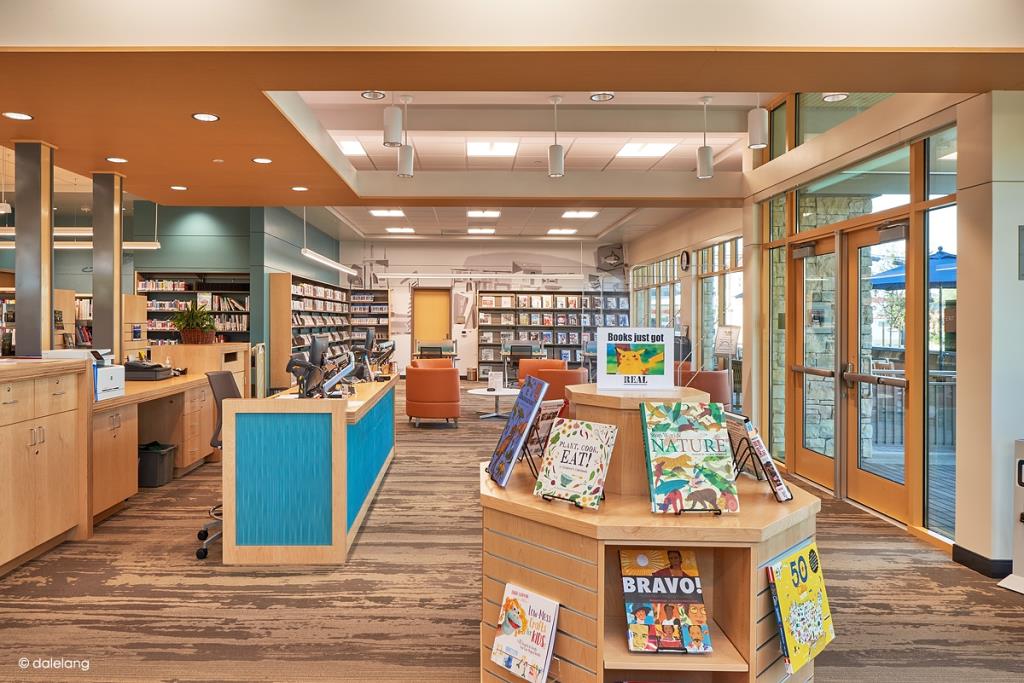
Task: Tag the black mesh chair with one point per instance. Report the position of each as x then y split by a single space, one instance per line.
223 385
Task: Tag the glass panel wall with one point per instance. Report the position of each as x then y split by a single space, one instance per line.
777 124
656 293
721 303
819 351
940 400
776 207
777 352
815 115
942 163
869 187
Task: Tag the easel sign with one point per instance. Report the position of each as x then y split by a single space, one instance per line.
727 340
634 358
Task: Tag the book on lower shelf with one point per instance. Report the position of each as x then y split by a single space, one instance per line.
524 639
664 601
801 604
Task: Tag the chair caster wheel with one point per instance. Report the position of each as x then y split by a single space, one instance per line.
203 535
201 553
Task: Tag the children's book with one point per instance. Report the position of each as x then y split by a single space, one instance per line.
801 605
546 417
664 600
525 636
576 462
513 437
689 459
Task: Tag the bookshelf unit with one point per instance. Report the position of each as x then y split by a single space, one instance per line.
83 320
226 295
300 308
63 317
370 308
563 321
7 321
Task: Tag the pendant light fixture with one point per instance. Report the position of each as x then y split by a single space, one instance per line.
556 153
5 208
405 152
757 126
392 124
317 256
705 157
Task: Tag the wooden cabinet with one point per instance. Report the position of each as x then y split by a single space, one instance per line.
56 455
16 401
115 453
55 394
198 423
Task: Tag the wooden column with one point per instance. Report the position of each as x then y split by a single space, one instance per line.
107 205
33 277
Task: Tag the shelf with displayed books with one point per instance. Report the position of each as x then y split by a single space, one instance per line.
226 295
564 322
645 595
370 310
300 308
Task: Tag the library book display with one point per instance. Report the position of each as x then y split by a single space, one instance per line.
571 555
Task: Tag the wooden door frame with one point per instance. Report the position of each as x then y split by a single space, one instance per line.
412 311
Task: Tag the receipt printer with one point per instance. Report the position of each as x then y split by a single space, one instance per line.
107 378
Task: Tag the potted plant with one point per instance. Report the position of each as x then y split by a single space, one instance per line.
195 324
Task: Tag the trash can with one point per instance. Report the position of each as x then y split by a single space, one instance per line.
471 375
156 464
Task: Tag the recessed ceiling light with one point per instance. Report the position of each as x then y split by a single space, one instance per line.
17 116
602 96
491 149
579 214
179 188
372 95
352 148
218 161
561 231
205 118
645 149
480 231
488 213
834 96
400 231
387 213
262 160
299 188
117 160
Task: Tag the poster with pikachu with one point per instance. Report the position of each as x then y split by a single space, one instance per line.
635 358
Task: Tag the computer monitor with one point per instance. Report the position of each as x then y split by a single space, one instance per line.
371 340
591 347
520 350
318 350
431 352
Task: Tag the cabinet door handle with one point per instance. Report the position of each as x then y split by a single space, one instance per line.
42 435
119 419
59 393
9 403
33 433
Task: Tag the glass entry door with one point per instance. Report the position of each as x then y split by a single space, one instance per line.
874 372
814 369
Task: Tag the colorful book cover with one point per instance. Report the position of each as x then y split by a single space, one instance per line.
801 605
576 462
689 459
664 601
525 636
546 417
513 437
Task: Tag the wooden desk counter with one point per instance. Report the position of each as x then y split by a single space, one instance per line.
366 397
136 392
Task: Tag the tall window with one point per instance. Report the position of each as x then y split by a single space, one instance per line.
777 352
777 124
816 114
656 293
721 303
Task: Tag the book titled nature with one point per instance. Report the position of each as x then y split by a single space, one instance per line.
525 635
801 605
664 601
513 437
689 459
576 462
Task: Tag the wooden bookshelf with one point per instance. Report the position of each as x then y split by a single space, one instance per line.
300 308
370 308
225 294
564 321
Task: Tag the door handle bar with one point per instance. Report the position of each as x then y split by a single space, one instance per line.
817 372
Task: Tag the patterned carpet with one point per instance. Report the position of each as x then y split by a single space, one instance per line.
137 605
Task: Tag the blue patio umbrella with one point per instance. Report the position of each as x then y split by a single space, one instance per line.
941 273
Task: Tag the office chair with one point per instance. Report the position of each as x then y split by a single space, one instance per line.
222 383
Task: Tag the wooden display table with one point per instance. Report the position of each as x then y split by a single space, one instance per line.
572 556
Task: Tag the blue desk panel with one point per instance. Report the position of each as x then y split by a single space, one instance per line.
368 444
283 479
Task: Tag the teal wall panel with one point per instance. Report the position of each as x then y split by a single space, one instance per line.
283 486
368 443
193 238
283 240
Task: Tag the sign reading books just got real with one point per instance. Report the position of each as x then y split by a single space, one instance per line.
634 358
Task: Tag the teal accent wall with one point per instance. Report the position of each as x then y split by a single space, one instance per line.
368 443
193 238
283 485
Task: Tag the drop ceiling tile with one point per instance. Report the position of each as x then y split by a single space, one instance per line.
490 163
442 162
631 163
585 163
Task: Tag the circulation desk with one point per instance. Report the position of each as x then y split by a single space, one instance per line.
300 474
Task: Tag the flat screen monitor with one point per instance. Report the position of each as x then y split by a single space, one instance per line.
371 340
431 352
524 350
318 350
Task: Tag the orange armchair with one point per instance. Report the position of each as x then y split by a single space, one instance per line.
557 381
529 366
433 363
432 393
715 382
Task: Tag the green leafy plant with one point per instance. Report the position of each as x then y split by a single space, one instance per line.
195 324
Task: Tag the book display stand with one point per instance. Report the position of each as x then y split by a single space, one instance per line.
572 556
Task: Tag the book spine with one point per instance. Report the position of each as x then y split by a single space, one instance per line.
647 455
778 618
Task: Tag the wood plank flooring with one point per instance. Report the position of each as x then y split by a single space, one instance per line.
138 605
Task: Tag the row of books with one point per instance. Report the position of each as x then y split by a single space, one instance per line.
319 291
554 319
319 305
546 336
228 322
492 354
556 301
83 309
318 320
300 340
369 321
214 303
362 297
164 286
218 302
371 308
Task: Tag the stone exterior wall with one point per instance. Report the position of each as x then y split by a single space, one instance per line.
819 336
813 211
709 320
777 353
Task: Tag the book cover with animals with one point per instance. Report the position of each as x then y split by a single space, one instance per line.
525 636
637 358
664 601
517 428
576 462
689 459
801 605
